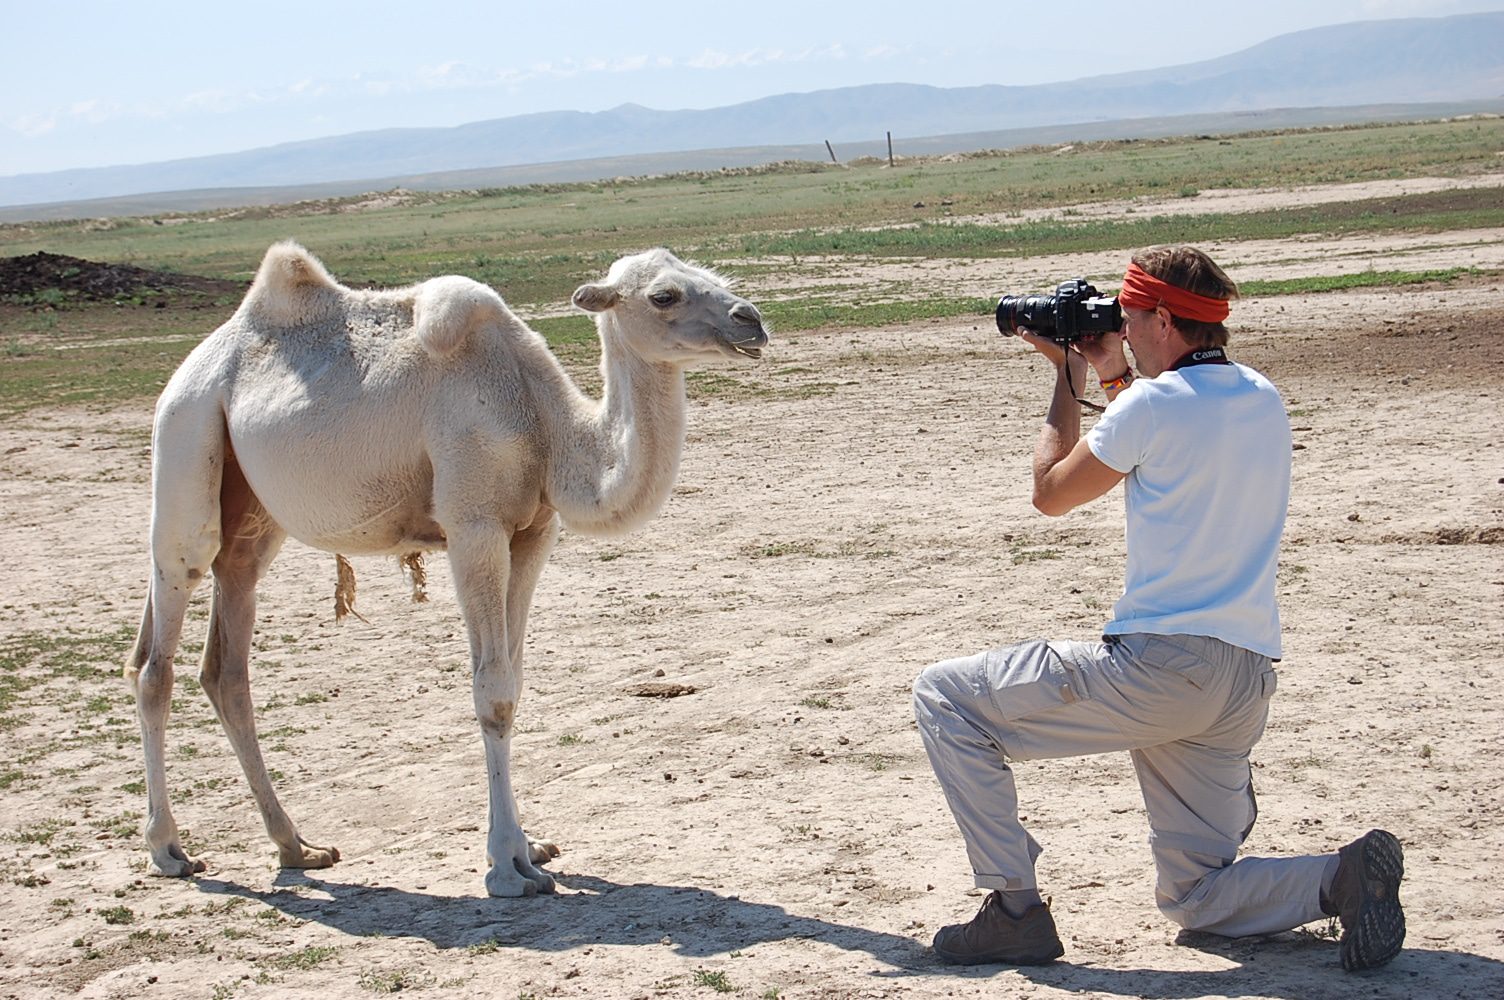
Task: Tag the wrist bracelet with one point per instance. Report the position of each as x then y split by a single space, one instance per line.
1120 382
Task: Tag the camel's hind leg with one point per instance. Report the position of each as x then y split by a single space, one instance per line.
188 454
251 542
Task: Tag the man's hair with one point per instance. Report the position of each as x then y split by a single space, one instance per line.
1189 268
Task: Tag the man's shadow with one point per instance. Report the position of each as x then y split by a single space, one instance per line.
1289 966
702 923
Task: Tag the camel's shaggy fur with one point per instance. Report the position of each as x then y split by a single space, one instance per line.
403 421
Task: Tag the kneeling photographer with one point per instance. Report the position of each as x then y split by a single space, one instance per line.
1183 675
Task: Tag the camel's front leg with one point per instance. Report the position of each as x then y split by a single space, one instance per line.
530 550
478 553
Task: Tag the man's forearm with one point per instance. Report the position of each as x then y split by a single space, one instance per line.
1062 429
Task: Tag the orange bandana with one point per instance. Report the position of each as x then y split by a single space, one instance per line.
1143 291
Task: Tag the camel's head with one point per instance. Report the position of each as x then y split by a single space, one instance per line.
669 311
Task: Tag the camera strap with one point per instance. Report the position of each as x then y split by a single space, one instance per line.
1202 356
1068 384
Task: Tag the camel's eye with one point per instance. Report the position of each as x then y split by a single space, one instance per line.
664 298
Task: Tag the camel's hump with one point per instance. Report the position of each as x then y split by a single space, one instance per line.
447 311
291 286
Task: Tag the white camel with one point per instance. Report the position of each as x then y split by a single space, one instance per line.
401 421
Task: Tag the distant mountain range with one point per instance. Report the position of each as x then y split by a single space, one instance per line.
1409 61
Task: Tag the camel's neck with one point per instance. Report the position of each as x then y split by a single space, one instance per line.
619 466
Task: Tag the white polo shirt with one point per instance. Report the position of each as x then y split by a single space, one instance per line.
1207 453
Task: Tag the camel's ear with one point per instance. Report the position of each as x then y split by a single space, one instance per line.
595 298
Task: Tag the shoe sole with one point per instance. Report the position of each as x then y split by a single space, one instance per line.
1379 929
1039 958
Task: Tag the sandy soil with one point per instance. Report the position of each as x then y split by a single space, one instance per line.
850 510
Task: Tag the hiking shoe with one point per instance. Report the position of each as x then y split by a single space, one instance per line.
994 936
1366 896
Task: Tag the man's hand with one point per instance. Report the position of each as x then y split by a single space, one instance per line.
1057 354
1103 351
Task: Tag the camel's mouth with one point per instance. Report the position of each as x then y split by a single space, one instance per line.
748 346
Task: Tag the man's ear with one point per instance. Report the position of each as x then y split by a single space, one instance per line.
595 298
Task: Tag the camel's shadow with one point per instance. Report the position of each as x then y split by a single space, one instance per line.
695 922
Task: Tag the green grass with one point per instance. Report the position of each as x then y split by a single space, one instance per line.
536 243
1359 279
812 314
1437 211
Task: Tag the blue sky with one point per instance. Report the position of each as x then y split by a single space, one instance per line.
90 83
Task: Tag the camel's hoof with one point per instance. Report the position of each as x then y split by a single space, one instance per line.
540 851
175 865
308 856
511 885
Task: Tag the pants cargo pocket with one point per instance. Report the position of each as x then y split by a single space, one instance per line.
1030 678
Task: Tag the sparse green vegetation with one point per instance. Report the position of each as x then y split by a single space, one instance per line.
715 980
487 947
118 915
306 958
395 980
38 667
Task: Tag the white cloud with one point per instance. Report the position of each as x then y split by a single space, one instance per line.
1383 9
451 75
94 111
215 101
33 126
713 59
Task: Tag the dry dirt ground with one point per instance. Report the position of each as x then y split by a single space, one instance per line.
848 511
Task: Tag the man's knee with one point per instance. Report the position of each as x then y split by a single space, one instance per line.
944 683
927 697
1184 888
1183 912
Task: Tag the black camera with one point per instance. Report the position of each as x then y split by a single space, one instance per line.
1073 312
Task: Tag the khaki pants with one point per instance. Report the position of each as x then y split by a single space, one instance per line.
1187 708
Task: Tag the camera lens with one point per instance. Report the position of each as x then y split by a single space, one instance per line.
1037 312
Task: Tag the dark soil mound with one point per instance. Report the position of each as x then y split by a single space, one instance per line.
76 279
